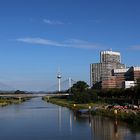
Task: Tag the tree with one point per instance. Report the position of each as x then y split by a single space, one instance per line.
92 95
81 97
80 86
79 92
19 92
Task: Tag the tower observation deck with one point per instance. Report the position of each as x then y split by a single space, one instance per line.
59 81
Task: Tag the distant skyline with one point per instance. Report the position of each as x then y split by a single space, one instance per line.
38 36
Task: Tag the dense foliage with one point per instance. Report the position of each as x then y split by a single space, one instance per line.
81 93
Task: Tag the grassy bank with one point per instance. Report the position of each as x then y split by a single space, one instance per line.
70 104
130 117
11 100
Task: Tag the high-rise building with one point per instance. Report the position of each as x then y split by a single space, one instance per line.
110 73
100 71
109 60
126 78
134 73
120 76
110 56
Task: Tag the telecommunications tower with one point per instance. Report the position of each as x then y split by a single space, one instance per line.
59 81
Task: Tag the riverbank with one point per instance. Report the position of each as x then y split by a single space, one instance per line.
129 116
4 101
71 104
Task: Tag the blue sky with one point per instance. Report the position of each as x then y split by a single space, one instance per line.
38 36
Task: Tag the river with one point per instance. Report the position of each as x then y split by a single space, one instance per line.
38 120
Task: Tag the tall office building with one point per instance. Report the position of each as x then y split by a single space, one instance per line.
120 76
109 60
110 56
134 73
126 78
110 73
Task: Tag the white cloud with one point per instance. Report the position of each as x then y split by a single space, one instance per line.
76 43
39 41
72 43
52 22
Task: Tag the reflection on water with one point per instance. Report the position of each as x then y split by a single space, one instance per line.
38 120
60 117
106 129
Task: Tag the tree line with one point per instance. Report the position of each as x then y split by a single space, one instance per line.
81 93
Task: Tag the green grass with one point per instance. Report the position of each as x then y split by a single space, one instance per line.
8 101
70 103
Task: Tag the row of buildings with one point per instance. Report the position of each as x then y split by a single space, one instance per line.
111 73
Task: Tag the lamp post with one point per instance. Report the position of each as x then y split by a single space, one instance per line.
115 112
89 110
89 107
74 105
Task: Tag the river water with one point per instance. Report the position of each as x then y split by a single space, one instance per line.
39 120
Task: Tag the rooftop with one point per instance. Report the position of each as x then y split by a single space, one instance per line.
110 52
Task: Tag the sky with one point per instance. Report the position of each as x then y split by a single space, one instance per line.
40 37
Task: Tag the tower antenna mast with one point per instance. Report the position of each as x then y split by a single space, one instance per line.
59 80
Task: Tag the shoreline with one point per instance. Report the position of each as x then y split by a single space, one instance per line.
10 100
130 117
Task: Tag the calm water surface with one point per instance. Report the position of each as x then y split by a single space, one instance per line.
38 120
